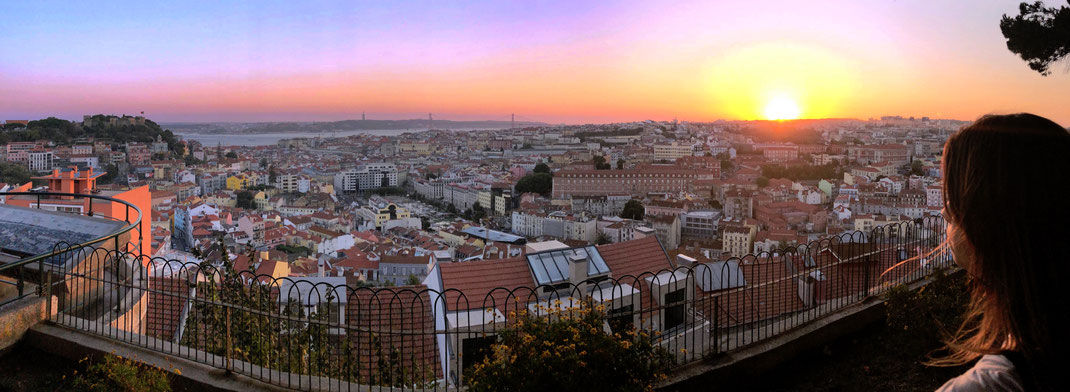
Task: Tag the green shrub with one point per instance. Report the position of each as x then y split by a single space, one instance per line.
570 350
116 373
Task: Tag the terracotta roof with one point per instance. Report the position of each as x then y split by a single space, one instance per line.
166 302
631 262
357 260
770 291
406 259
395 322
485 283
266 269
242 263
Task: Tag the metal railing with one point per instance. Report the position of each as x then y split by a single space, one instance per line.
39 269
327 333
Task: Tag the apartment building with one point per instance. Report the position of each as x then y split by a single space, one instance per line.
20 151
365 177
292 183
738 240
637 181
897 154
40 160
699 225
781 153
672 152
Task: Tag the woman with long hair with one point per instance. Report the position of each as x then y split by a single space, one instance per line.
1007 204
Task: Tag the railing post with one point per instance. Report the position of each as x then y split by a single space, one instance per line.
20 284
45 288
716 325
48 293
869 261
127 249
229 342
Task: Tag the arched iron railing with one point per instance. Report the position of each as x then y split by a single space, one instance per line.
18 270
327 333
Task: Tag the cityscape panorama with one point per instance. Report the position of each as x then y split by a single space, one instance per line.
528 196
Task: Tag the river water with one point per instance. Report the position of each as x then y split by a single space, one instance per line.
264 139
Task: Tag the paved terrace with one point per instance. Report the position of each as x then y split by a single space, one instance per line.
31 231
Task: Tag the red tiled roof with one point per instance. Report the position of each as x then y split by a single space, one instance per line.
395 322
356 260
406 259
242 263
770 291
479 279
166 302
635 258
631 262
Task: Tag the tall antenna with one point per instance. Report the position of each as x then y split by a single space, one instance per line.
512 121
430 121
361 116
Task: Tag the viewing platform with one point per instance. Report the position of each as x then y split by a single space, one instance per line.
91 278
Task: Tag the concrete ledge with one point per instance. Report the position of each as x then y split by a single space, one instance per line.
75 346
17 317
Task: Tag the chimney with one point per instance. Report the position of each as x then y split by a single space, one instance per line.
683 260
577 269
319 269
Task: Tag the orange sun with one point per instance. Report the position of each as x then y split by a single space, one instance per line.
782 107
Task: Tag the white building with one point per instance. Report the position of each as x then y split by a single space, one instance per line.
700 224
580 227
292 183
431 190
40 160
333 244
811 195
460 196
527 224
934 196
365 177
89 160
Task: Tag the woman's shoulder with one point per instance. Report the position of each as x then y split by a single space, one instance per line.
991 373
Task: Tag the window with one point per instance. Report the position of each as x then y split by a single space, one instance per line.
674 314
330 313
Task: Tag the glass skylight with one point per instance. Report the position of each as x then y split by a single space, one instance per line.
552 267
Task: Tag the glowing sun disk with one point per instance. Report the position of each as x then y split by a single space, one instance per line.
782 108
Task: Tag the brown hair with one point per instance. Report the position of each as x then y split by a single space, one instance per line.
1007 188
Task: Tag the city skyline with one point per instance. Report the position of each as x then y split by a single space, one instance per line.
551 62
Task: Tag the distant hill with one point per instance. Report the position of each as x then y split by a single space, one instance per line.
332 126
109 128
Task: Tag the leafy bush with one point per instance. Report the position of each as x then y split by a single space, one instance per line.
542 183
570 350
633 209
116 373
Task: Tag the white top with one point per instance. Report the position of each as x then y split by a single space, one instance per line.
991 373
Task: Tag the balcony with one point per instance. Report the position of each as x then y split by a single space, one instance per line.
323 334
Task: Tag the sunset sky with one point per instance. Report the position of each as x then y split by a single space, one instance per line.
552 61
